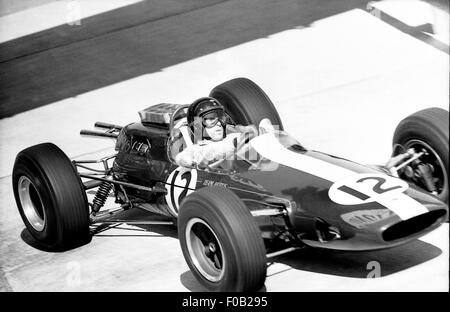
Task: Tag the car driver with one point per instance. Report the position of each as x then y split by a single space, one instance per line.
214 140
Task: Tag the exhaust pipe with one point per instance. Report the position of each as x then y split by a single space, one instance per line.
99 134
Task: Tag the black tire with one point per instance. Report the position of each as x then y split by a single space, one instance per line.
246 102
429 129
50 197
219 217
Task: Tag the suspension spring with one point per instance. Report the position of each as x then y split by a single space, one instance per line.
101 196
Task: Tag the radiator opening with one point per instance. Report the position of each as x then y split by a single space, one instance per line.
413 225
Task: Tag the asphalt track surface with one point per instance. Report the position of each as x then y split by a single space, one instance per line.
340 78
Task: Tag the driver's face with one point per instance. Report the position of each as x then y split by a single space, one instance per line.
211 118
215 132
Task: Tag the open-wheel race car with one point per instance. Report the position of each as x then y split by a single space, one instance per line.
274 197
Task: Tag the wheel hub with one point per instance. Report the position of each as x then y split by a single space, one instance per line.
205 250
32 205
212 247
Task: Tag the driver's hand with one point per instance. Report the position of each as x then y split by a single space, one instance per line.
202 164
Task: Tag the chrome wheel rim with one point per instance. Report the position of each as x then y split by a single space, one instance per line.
31 203
432 158
205 250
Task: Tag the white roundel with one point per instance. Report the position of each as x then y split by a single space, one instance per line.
180 183
365 188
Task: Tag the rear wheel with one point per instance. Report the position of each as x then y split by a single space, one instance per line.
221 242
50 197
426 131
246 102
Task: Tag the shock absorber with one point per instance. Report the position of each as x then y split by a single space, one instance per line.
101 196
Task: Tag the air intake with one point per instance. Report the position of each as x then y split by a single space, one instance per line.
413 225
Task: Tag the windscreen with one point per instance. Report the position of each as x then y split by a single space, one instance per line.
255 155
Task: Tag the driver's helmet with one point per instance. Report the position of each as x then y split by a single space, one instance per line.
203 113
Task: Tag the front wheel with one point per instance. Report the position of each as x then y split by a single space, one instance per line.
246 102
427 132
221 242
50 197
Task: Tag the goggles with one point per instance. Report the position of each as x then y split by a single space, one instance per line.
210 119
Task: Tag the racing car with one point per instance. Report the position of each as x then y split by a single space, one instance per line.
274 197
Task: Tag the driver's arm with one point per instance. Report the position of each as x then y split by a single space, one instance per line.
196 155
188 157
